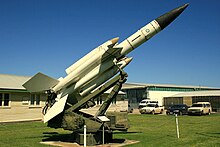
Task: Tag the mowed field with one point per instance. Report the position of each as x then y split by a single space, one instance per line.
160 130
150 130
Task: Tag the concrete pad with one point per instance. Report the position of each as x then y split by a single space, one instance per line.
17 114
68 144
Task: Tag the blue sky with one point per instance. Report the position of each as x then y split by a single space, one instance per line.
49 35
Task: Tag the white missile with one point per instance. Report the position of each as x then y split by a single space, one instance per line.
91 56
97 71
149 30
87 63
139 37
104 76
96 77
98 66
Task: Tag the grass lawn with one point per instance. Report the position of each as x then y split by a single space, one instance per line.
26 134
160 130
150 130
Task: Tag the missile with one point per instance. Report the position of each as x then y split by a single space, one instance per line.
102 72
149 30
87 63
104 77
98 66
91 57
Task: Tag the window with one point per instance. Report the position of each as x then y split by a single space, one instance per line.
32 99
208 105
4 99
1 97
35 99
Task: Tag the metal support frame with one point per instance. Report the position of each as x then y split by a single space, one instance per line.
73 119
112 95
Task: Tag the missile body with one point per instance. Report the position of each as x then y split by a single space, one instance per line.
149 30
86 64
96 77
94 53
98 66
98 80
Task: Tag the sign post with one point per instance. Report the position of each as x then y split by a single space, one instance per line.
84 135
177 127
103 119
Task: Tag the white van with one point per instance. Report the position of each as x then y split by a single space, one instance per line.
200 108
144 103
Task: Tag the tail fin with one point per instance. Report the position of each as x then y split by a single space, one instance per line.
57 108
40 82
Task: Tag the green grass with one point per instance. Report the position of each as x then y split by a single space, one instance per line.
150 130
27 134
160 130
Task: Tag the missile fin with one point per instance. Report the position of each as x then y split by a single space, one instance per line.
39 83
114 52
114 42
57 108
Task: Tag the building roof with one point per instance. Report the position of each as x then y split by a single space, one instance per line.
142 85
198 93
132 86
109 91
12 81
8 81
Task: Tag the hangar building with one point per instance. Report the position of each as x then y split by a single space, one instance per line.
196 96
170 94
13 94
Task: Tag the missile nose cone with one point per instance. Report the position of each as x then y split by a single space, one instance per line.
128 60
168 17
114 40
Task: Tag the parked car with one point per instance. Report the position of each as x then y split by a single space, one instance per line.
144 103
151 108
200 108
179 109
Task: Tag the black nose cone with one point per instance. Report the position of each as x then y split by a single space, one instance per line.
167 18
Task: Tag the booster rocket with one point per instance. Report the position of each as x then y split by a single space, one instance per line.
98 66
